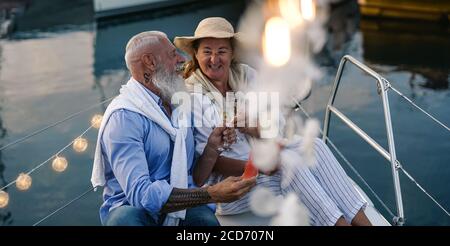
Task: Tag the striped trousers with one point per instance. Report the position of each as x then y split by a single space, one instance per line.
325 189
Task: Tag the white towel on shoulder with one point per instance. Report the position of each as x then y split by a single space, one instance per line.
133 97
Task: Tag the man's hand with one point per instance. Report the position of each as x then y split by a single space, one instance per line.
231 189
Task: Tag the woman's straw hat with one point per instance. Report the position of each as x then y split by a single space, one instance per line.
212 27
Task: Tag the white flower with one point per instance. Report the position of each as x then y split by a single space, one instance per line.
265 153
291 213
310 133
264 203
290 161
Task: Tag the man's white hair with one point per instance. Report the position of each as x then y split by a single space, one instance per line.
140 41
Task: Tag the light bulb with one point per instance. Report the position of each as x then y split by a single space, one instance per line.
80 144
277 41
4 199
96 120
23 182
59 164
290 10
308 10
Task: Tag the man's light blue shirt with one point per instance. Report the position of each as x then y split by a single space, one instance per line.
138 157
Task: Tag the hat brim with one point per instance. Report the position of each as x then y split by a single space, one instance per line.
185 43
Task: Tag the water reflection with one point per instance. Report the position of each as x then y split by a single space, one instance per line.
5 215
55 15
436 79
342 26
421 48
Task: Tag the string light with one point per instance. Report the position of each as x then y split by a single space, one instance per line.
80 144
59 164
308 10
277 41
290 10
96 121
23 182
4 199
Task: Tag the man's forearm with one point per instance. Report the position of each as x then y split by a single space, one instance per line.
181 199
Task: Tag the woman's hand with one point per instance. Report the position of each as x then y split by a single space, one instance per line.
220 137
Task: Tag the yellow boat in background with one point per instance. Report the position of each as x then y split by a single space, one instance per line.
430 10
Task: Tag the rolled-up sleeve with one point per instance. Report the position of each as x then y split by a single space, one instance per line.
124 149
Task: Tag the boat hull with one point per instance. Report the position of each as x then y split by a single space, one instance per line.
109 8
407 9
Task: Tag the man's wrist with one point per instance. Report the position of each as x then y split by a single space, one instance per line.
211 192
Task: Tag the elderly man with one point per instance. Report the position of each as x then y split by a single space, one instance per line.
144 156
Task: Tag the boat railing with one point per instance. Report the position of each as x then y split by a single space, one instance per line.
383 85
391 155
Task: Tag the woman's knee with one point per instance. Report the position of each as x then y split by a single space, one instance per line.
319 142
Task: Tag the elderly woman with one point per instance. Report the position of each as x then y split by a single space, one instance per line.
324 189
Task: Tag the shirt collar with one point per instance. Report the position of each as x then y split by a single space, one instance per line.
153 95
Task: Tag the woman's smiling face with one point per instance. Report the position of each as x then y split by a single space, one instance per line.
214 56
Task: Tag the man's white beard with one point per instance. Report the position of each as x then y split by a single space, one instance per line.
168 83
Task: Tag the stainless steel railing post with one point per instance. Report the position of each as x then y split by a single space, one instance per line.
383 85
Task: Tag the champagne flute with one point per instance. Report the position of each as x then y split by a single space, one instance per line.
226 123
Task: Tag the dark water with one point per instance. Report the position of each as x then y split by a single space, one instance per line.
64 61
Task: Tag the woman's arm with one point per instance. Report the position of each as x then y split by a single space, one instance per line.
208 140
208 159
229 167
205 165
